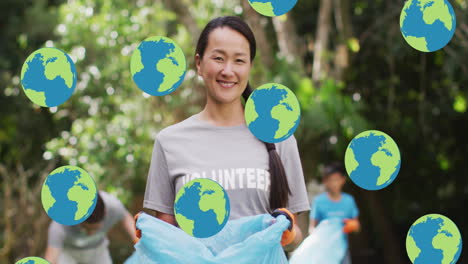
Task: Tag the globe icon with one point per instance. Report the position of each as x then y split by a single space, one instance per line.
272 112
372 160
158 66
48 77
32 260
433 238
427 25
69 195
201 208
272 8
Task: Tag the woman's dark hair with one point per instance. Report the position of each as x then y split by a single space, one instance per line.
334 167
98 213
279 187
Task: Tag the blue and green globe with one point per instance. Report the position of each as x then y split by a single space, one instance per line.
69 195
272 112
433 239
158 66
272 8
372 160
201 208
32 260
48 77
427 25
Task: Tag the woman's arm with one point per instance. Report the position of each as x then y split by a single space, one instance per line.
298 239
168 218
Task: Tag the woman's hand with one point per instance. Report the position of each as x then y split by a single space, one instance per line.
289 235
137 231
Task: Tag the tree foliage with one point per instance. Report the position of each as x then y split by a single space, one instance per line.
372 79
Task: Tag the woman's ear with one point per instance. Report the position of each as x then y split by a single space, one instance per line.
197 63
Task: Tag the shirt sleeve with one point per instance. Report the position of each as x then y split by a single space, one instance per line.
159 194
313 211
115 208
56 235
289 153
354 208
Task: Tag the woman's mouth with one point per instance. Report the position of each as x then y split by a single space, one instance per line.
226 84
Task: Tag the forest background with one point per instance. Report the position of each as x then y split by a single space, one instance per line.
346 60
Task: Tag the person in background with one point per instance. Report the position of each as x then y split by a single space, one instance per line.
334 203
87 242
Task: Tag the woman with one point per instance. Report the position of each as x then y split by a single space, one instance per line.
217 144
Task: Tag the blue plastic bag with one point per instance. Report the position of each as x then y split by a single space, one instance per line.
250 239
133 259
326 245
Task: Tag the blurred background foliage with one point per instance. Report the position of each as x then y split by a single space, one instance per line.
363 75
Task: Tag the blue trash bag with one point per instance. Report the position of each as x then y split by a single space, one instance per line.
253 239
326 245
133 259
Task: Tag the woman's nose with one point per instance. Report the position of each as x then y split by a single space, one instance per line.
227 69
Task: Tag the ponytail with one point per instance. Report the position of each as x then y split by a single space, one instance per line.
279 187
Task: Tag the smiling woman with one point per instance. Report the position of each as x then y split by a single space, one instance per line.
224 67
217 144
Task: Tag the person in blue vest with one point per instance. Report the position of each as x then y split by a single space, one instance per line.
334 203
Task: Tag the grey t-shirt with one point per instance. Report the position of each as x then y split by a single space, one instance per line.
232 156
62 236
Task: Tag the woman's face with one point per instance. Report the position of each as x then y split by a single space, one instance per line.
225 66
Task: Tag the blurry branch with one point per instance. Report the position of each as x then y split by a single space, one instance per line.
254 21
392 83
42 219
464 27
320 66
7 216
461 38
344 26
386 18
342 16
422 96
384 227
182 11
22 202
390 59
288 41
456 57
461 30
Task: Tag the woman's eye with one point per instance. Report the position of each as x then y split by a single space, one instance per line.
240 61
218 58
